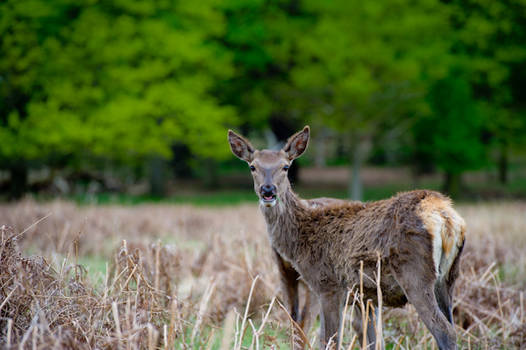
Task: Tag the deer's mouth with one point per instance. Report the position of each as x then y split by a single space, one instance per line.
268 200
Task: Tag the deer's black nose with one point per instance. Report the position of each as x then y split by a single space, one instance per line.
268 190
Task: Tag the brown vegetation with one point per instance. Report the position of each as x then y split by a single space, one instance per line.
184 275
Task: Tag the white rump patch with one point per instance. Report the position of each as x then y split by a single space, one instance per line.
457 223
438 217
434 225
441 260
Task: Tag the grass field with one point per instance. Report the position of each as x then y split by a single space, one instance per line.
185 277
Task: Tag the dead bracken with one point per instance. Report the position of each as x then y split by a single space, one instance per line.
171 283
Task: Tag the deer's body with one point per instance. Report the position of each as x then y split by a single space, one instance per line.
326 244
418 236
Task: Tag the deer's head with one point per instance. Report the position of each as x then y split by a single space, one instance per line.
269 168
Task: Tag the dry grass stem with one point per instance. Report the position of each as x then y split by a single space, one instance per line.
379 326
159 276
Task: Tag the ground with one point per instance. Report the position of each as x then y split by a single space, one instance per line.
166 276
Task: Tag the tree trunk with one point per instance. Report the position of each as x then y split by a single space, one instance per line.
18 183
321 148
281 129
359 152
503 164
157 177
452 183
356 185
211 177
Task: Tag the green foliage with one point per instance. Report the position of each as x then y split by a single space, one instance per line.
261 36
451 135
364 63
118 79
490 44
123 81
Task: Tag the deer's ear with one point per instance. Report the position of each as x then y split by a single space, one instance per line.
297 143
240 147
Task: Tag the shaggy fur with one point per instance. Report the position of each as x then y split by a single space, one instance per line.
417 234
291 279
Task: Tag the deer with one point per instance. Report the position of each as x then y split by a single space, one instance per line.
417 236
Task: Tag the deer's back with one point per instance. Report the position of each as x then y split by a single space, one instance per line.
423 223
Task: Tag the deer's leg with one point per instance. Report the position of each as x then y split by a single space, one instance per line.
289 282
357 324
444 288
444 299
290 286
330 317
309 310
419 290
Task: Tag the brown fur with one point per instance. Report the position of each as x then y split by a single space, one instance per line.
291 279
326 242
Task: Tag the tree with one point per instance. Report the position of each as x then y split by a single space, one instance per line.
450 136
120 80
363 66
261 36
490 44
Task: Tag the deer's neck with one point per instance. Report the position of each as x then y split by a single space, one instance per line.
283 224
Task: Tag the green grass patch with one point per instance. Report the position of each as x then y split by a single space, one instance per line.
473 191
234 197
208 198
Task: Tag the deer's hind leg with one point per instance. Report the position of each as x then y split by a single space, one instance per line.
444 288
444 299
417 279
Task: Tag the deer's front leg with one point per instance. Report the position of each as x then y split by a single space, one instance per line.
330 317
370 330
289 280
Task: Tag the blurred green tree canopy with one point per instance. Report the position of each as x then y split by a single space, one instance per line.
450 136
364 66
126 82
118 79
490 44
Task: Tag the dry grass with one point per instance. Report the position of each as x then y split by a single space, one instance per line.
193 278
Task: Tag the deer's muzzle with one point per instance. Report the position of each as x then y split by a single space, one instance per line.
268 195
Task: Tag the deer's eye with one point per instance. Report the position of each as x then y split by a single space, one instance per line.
286 167
252 168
